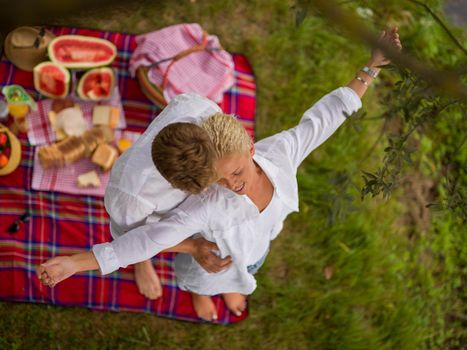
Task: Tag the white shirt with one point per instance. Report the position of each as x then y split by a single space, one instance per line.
265 224
228 219
137 193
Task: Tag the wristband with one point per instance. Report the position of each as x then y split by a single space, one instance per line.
369 71
363 81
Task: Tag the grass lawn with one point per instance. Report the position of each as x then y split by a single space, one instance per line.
344 273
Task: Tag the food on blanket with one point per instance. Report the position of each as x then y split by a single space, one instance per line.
89 179
59 133
60 104
62 153
51 79
106 115
71 121
96 136
123 144
3 160
77 51
16 96
73 148
3 139
19 103
10 151
104 156
96 84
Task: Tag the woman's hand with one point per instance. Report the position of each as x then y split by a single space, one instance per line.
205 253
365 77
59 268
56 270
389 37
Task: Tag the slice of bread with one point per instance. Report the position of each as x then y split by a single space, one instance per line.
104 156
106 115
89 179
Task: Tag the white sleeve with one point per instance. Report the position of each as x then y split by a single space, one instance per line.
144 242
126 211
318 123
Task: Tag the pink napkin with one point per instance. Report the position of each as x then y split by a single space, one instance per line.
65 179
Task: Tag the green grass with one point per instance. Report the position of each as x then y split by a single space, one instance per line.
395 283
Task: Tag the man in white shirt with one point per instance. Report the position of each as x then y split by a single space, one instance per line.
137 194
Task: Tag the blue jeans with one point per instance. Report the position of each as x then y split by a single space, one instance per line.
255 267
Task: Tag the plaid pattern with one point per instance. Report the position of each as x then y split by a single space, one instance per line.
65 179
62 224
208 73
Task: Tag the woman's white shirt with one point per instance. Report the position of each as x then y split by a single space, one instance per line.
228 219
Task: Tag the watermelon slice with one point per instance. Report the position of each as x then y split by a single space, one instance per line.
96 84
77 51
51 79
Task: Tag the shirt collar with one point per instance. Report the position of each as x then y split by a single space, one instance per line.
285 187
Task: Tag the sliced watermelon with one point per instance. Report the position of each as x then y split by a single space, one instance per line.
77 51
96 84
51 79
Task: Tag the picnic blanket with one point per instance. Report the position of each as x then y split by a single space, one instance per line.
62 224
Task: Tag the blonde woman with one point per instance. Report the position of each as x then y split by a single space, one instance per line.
256 189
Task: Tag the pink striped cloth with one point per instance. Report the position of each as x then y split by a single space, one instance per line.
208 73
65 179
40 131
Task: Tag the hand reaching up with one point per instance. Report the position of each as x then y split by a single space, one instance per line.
388 37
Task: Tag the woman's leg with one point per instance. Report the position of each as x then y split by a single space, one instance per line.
235 302
204 307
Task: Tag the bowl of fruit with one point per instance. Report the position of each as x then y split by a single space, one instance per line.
10 151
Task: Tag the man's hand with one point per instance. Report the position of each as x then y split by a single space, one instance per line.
205 253
56 270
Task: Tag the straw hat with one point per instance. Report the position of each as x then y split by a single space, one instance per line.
27 46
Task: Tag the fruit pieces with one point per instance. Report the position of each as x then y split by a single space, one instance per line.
123 144
76 51
10 151
4 149
3 139
3 160
51 79
96 84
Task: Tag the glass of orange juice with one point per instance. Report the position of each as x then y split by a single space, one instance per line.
19 103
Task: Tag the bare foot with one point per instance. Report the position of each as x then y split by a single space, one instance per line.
204 307
147 280
235 302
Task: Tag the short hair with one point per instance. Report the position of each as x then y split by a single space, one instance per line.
227 134
184 155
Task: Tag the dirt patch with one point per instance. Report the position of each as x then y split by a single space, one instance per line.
418 192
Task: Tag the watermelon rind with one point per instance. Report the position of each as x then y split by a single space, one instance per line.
37 71
84 41
89 97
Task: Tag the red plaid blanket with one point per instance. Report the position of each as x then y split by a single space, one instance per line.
62 224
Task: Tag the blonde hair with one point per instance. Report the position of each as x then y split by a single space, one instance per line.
227 134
